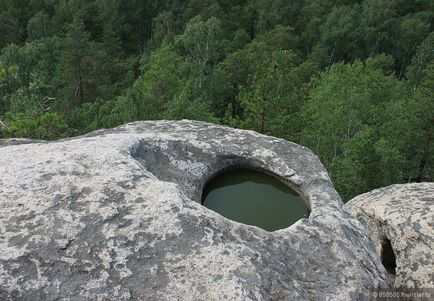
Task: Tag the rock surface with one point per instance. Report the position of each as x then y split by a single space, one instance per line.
116 215
400 219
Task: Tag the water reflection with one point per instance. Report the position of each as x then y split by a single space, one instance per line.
254 198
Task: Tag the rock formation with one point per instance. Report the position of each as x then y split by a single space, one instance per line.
400 219
116 215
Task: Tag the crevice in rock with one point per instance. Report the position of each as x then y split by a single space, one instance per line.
388 257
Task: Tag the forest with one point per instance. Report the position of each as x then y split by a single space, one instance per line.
353 80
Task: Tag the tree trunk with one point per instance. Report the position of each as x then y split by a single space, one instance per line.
78 97
401 71
252 25
234 106
261 121
331 57
424 158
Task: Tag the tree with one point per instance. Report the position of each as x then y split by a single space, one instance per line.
9 29
340 36
7 74
265 98
238 67
379 24
344 115
81 77
201 42
48 126
205 9
39 26
14 15
34 59
423 57
313 14
278 12
156 88
163 25
412 31
188 105
421 110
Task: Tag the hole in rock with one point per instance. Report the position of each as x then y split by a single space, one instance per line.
254 198
388 257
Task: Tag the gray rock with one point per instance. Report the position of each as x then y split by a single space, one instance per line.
400 219
116 215
17 141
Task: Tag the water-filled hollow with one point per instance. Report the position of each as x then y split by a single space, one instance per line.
254 198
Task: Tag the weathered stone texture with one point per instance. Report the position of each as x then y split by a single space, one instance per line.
116 215
400 219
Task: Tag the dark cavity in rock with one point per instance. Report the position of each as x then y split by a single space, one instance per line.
254 198
388 257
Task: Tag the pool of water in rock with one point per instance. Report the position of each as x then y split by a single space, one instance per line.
254 198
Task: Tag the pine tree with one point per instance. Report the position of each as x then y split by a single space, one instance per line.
81 75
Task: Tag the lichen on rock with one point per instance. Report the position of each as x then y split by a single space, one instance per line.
116 215
400 219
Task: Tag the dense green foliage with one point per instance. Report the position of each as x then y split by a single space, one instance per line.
351 79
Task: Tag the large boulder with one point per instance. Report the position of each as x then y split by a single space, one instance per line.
116 215
400 219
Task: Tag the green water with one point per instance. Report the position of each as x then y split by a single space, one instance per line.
254 198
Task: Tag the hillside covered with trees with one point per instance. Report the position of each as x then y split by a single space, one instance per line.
352 80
